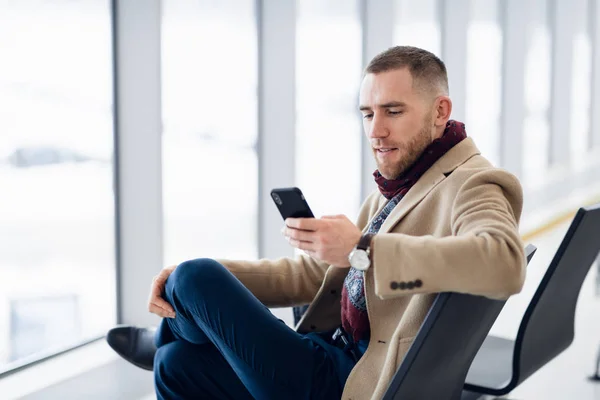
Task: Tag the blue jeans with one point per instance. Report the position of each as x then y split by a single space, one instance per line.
225 344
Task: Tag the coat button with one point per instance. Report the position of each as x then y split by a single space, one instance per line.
410 285
394 285
402 285
313 327
418 283
333 291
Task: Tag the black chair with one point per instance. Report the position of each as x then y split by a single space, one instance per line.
547 328
437 362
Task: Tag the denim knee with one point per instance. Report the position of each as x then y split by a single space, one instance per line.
197 276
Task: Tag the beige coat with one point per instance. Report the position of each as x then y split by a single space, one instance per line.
455 230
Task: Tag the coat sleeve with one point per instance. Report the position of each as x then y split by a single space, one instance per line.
484 255
282 282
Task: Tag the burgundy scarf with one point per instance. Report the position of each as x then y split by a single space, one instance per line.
453 134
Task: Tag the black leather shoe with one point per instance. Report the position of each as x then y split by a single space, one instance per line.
135 345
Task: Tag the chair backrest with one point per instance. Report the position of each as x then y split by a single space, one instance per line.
436 365
548 325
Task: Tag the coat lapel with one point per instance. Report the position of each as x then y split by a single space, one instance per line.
421 188
455 157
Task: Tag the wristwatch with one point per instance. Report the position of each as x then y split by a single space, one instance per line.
359 257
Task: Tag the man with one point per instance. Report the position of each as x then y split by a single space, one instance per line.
443 219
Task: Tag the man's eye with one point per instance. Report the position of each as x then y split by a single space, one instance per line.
394 112
368 116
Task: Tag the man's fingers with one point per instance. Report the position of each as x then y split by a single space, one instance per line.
162 276
160 306
154 309
159 302
157 288
160 280
156 304
304 236
302 245
307 224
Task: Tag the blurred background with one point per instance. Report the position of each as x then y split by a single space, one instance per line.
136 134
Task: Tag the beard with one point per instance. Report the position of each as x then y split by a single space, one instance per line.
408 153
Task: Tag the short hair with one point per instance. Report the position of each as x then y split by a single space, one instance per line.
427 70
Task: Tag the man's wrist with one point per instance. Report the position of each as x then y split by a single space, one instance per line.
366 241
360 257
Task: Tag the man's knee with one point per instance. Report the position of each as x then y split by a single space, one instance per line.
195 275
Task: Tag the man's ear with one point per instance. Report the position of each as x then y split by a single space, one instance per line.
443 109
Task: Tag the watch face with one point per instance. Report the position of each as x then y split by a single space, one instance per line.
359 259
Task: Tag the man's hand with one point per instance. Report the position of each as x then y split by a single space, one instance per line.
156 304
329 239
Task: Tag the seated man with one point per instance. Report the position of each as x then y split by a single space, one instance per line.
443 219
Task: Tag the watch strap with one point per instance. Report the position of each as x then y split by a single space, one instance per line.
365 241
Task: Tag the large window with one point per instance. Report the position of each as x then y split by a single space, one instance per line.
210 172
484 77
417 23
57 256
581 84
328 129
538 84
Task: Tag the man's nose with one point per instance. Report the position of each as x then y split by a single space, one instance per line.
377 128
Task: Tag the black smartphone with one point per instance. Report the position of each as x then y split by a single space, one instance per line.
291 203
